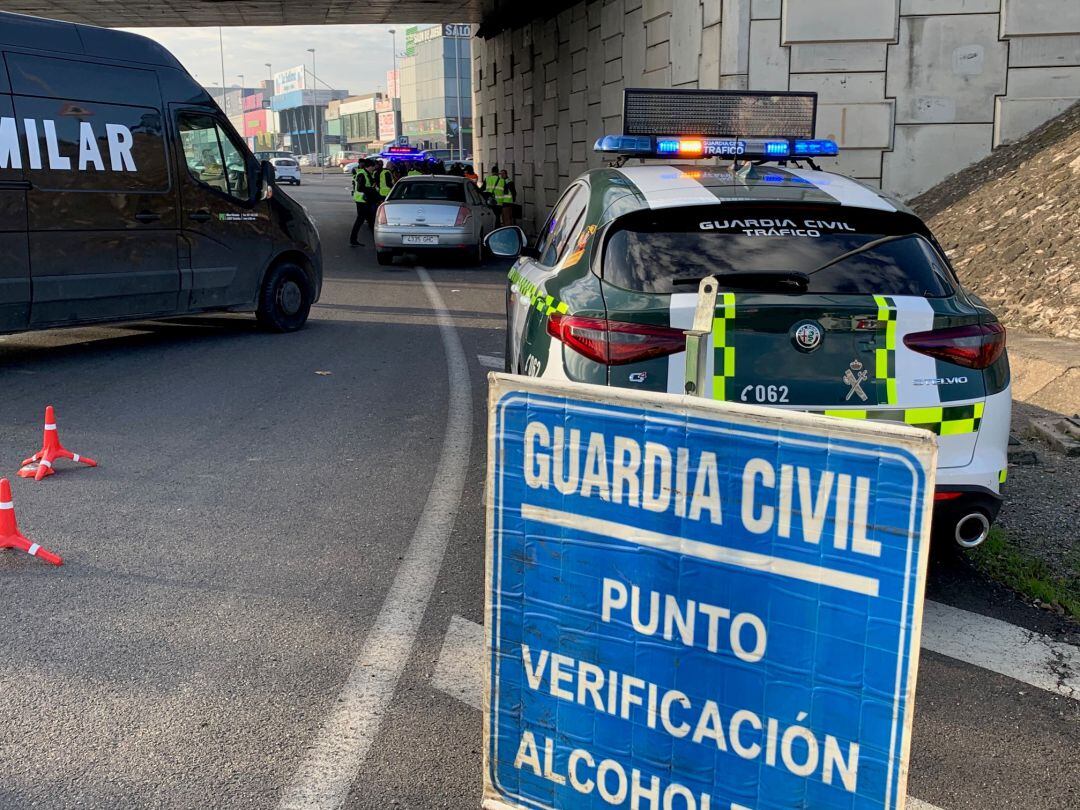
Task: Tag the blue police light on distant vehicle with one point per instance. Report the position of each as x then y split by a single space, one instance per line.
719 123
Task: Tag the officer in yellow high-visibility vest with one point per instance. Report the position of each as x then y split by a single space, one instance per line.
361 191
384 181
495 184
507 198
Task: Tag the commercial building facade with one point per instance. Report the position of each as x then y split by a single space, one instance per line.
436 88
301 110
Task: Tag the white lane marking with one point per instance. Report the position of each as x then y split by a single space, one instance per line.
1002 648
751 560
460 668
490 361
463 656
333 759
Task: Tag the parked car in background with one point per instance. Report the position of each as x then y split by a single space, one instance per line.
350 167
441 213
286 170
270 154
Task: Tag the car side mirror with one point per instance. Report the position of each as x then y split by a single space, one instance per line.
267 177
509 242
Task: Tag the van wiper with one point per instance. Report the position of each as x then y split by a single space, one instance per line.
785 280
873 243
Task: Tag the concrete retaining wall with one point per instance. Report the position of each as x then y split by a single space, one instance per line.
912 90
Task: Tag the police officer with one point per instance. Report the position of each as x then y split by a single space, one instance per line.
495 185
362 192
384 181
506 198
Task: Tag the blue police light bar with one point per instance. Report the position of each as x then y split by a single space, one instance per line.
686 146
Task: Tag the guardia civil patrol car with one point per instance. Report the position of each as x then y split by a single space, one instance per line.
833 298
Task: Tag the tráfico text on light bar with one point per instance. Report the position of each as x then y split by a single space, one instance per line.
735 148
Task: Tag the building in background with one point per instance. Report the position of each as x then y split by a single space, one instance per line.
260 121
301 109
360 123
393 89
436 88
389 120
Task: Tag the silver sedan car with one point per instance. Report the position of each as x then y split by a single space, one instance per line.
433 212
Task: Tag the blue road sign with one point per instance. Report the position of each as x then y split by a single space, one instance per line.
695 606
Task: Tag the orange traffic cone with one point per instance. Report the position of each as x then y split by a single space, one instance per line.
11 537
41 463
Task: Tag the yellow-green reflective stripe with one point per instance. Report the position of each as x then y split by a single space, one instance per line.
723 355
932 418
845 414
881 364
1002 476
923 416
953 427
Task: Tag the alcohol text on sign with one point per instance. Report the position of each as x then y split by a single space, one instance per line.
698 605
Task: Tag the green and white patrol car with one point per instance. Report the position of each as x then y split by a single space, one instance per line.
833 298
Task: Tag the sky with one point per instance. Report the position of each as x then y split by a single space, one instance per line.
347 57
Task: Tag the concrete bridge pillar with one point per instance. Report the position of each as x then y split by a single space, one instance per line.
912 90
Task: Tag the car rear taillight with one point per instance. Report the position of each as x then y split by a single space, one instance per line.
380 215
463 214
615 343
975 346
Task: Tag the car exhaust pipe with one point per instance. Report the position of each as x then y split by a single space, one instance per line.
972 529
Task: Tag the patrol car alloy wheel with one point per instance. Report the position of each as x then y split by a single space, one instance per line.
285 298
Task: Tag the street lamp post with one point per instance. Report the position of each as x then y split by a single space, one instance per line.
393 59
315 108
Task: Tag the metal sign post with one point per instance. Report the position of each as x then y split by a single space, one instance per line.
697 339
698 605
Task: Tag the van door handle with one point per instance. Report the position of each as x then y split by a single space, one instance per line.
147 216
199 216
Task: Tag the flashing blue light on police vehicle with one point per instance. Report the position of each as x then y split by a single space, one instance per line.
624 144
816 148
667 146
777 149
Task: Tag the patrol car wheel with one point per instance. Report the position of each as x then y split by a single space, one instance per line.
285 299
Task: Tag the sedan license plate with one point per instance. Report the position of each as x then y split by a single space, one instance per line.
419 240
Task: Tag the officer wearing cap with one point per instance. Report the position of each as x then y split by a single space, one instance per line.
363 194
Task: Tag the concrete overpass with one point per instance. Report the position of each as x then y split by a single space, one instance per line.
913 90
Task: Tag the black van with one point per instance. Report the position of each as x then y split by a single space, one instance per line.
125 192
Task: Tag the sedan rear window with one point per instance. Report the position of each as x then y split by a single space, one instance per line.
666 251
428 190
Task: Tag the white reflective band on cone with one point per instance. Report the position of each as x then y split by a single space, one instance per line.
45 463
49 426
33 549
74 456
7 505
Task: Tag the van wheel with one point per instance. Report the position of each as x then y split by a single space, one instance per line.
285 298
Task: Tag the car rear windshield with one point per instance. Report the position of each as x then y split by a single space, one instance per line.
664 251
428 190
284 162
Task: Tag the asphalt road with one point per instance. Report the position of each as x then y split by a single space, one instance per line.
226 562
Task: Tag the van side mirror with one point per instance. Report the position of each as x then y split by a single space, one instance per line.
267 176
509 242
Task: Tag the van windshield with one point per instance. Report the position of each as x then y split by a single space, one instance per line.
665 251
